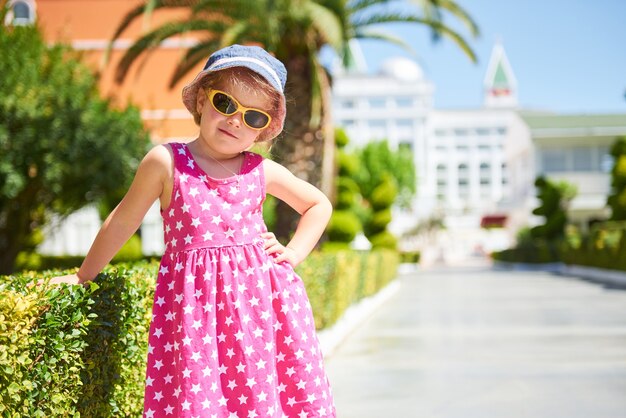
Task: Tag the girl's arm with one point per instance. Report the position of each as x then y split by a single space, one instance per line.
125 219
313 206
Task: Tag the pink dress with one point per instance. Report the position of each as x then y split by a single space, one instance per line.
232 333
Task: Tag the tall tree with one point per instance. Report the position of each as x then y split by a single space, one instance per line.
555 198
61 145
385 178
617 199
294 31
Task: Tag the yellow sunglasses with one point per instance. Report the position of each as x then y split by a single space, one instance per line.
227 105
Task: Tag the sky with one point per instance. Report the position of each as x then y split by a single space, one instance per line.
568 56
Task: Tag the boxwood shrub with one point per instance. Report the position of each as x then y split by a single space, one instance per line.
603 247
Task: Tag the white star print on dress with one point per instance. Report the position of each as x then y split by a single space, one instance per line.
232 333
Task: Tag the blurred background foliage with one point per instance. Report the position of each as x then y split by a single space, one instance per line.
62 145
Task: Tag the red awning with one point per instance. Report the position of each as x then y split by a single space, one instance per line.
493 221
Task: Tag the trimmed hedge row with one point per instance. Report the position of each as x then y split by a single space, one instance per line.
335 280
77 351
604 247
535 251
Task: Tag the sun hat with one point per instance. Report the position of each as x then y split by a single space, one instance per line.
253 58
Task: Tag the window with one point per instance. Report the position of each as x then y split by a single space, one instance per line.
553 161
404 102
505 174
376 103
404 128
501 130
464 190
440 132
22 12
404 123
463 174
377 123
377 128
347 104
485 171
583 159
442 174
606 162
482 132
347 123
460 132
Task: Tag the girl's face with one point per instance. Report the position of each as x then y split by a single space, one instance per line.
228 135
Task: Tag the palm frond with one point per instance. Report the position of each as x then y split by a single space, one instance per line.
445 31
153 39
327 25
388 17
359 5
231 9
456 11
234 33
438 27
194 55
372 34
145 9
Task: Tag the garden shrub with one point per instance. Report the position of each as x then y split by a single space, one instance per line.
343 227
412 257
42 340
344 224
114 372
604 246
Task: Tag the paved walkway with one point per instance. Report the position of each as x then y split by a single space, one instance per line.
478 343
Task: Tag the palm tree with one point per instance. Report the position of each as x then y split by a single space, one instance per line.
294 31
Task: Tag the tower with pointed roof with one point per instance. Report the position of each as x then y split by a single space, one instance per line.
500 85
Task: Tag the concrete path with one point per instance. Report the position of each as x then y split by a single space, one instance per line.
477 343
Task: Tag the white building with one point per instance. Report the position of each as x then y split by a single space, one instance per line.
459 155
392 105
575 148
477 165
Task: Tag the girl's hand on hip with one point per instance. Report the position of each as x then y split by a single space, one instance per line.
278 251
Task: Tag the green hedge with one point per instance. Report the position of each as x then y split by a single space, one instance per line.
535 251
75 351
335 280
604 246
42 340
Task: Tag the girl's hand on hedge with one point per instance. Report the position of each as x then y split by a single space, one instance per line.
67 279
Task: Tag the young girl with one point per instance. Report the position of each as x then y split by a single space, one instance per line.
232 333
